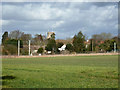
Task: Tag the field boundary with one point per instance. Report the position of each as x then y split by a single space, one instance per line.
58 55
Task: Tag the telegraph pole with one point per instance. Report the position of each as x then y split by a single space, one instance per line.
18 47
92 45
114 47
29 47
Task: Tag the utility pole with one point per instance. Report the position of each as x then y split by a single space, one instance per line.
18 47
29 47
114 47
92 45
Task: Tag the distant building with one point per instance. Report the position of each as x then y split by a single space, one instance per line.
64 41
49 34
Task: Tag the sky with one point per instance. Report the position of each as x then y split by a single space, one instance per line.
64 18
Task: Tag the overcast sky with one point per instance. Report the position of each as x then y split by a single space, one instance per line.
65 19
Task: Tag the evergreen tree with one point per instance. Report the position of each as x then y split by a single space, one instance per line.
51 46
78 43
4 37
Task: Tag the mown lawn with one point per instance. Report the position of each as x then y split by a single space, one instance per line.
61 72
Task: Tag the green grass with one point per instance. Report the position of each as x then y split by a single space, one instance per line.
61 72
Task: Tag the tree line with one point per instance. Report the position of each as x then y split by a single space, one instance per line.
103 42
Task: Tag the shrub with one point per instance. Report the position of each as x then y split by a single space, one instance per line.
69 47
9 50
40 50
13 42
24 51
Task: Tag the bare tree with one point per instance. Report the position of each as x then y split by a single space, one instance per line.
102 36
26 37
16 34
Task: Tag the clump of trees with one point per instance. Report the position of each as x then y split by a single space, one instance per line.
108 45
10 44
11 40
104 42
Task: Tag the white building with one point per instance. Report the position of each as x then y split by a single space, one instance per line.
62 48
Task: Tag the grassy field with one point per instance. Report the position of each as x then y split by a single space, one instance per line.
61 72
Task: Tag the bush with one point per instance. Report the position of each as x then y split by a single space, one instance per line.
69 47
9 50
40 50
24 51
13 42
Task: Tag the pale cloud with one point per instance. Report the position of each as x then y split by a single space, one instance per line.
5 22
65 19
57 24
29 12
60 0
